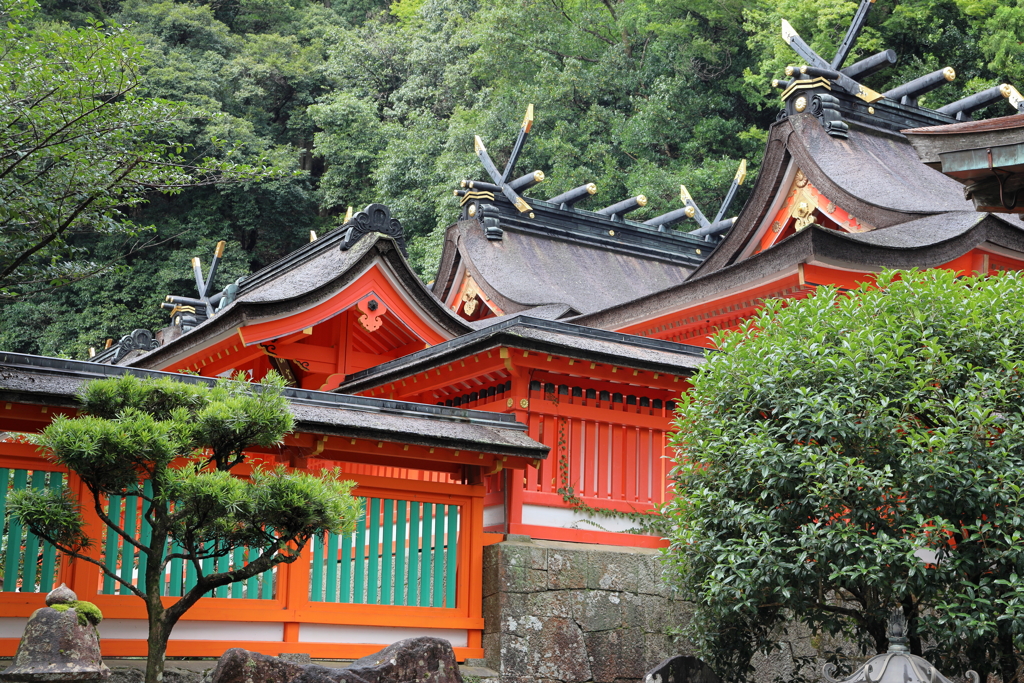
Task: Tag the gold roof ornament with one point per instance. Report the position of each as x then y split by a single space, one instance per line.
528 119
741 172
1013 96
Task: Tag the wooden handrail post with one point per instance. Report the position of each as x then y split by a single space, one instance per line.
81 576
294 584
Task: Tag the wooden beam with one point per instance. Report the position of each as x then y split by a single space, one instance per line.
462 370
389 453
304 352
620 374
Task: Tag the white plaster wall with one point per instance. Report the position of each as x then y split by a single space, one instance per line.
567 518
133 629
12 627
494 514
375 635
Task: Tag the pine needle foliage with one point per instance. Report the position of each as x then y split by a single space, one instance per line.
173 444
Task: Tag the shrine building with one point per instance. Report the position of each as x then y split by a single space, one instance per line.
531 386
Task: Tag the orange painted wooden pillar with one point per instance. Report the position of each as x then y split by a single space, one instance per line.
84 577
475 570
295 587
514 479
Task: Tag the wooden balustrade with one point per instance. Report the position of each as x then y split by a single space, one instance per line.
414 565
609 450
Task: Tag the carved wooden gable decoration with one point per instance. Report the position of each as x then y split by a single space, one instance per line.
803 205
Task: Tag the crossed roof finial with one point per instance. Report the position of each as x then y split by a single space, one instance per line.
501 179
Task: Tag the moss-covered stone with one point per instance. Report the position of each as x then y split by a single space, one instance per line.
87 612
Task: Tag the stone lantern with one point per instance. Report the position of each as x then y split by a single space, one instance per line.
897 665
61 643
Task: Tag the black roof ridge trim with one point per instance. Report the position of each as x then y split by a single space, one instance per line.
538 324
327 399
631 248
641 240
641 227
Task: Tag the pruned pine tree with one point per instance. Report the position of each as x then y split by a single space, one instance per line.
173 444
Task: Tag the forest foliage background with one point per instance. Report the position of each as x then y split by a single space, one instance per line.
377 101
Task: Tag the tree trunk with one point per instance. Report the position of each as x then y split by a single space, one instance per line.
910 612
879 632
159 628
158 633
1008 662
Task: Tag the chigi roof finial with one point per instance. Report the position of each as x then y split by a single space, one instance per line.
708 229
501 179
819 86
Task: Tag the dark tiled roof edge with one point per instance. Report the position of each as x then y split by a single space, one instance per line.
86 371
522 321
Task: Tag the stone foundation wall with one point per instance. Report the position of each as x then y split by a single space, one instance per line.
579 613
576 613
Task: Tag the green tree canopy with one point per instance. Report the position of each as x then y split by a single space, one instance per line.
379 101
79 147
173 444
848 455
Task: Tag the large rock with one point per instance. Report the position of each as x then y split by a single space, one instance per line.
430 660
416 659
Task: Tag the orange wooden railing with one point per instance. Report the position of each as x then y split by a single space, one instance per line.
451 513
610 449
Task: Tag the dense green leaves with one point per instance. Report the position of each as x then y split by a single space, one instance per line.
374 101
79 148
849 455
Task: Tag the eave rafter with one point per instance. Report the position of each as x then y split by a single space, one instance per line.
394 454
500 362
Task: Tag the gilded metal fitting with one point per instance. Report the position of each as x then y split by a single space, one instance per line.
591 188
471 210
641 200
803 69
800 104
690 212
949 73
789 70
1011 94
538 176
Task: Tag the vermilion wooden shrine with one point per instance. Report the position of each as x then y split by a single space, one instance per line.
538 371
